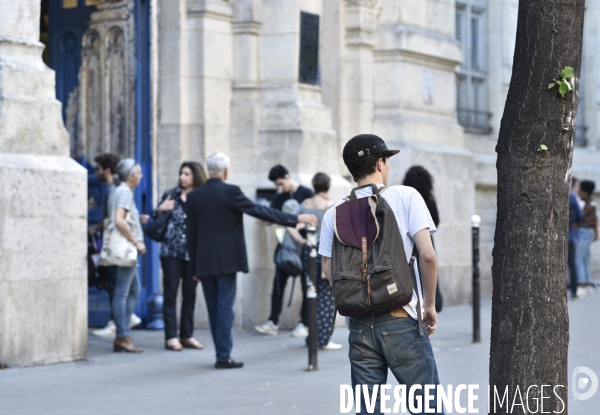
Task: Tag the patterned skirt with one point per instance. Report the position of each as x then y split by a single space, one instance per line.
325 301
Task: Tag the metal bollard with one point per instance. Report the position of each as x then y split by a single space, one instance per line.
311 296
475 222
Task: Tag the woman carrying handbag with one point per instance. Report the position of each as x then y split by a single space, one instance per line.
175 260
123 239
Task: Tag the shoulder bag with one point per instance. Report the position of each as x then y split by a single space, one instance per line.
116 248
156 229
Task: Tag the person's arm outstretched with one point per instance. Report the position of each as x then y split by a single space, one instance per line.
243 204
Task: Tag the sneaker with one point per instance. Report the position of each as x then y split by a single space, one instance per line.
109 331
582 291
332 346
590 290
135 320
300 331
269 328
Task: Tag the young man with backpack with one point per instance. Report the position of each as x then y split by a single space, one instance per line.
289 190
367 244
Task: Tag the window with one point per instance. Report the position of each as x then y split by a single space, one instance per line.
309 48
471 79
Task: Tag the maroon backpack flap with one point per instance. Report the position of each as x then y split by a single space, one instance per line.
355 219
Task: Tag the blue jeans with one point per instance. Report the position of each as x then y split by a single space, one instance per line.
127 290
219 293
380 341
585 237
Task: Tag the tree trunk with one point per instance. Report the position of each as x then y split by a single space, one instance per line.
530 324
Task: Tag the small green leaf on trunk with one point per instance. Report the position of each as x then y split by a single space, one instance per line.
551 85
543 148
563 87
567 72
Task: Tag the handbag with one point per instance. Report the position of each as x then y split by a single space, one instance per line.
287 257
156 229
116 248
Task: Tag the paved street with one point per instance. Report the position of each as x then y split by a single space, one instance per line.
272 382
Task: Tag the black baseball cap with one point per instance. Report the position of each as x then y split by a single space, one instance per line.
364 145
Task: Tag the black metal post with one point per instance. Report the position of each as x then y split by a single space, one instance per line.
475 221
311 296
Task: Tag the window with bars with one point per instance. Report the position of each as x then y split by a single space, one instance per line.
471 79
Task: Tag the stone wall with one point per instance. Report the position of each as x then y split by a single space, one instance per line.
43 270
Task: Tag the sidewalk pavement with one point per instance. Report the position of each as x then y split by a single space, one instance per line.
273 380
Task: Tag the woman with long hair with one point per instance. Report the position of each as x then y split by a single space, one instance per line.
421 180
175 260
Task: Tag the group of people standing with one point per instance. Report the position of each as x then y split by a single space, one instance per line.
121 178
583 230
205 221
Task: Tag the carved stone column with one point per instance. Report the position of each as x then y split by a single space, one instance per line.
43 272
357 87
207 77
245 105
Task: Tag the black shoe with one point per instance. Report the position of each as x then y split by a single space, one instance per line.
230 364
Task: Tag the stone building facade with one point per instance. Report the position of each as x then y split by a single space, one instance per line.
267 82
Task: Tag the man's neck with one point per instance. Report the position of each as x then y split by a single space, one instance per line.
216 176
374 178
109 180
295 187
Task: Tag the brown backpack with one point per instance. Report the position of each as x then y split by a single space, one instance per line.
369 267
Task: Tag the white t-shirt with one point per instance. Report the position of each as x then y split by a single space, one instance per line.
412 216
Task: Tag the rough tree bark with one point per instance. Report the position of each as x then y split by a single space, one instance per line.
530 324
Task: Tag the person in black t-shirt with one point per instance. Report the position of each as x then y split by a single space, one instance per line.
288 189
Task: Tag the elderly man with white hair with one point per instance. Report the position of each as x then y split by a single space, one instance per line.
215 240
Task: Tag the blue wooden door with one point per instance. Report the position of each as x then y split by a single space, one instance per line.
68 23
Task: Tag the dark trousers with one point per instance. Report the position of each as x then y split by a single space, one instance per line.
219 293
572 268
108 280
174 270
279 283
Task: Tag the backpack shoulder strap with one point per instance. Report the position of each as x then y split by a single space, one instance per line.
380 190
375 189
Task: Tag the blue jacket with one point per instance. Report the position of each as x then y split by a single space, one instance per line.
574 216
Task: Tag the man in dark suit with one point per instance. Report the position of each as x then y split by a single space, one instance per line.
217 248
